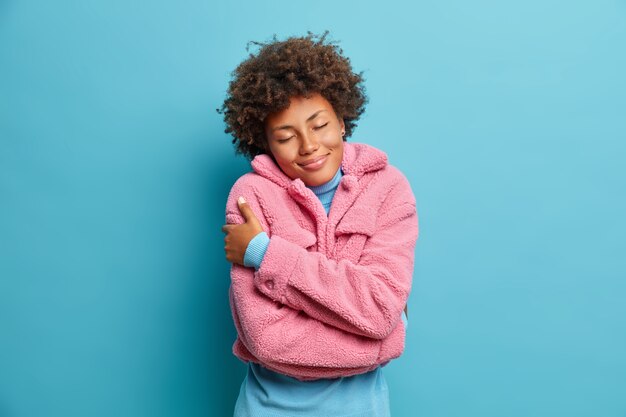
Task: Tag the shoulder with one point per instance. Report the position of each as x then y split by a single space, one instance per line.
252 183
397 184
390 173
249 186
247 182
262 194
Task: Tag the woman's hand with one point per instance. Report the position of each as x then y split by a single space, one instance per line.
239 235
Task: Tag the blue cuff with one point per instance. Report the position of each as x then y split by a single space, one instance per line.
405 320
256 250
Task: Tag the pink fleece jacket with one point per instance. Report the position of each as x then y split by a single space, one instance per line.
327 298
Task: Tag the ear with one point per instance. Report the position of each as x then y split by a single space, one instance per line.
342 125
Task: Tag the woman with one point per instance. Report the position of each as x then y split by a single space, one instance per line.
321 238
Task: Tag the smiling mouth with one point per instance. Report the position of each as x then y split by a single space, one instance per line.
319 158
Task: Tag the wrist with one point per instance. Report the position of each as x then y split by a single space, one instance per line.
255 251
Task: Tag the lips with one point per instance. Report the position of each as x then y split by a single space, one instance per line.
311 161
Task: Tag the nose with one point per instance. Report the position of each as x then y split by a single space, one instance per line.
309 144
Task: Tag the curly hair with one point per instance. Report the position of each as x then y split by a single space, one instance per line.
298 66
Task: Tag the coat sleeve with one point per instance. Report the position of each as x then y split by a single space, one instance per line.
364 298
286 338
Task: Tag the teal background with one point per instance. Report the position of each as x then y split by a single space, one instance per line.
508 118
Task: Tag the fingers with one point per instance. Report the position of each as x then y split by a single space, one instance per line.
245 209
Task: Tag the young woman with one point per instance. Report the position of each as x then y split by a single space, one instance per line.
321 237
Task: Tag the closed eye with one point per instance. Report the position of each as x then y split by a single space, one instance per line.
315 128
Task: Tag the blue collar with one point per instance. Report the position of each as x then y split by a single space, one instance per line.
330 185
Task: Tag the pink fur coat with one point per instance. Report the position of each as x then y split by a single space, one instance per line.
327 299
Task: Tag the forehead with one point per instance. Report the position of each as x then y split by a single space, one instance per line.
300 108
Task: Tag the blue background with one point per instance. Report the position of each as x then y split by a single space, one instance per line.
508 118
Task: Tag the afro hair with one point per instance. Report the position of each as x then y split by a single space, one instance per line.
298 66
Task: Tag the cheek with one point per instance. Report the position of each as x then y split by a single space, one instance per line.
280 153
332 139
285 158
335 143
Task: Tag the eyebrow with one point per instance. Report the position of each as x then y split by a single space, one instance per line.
311 117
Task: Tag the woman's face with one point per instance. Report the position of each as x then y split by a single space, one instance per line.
306 139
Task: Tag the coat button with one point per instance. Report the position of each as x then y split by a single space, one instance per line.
348 182
269 284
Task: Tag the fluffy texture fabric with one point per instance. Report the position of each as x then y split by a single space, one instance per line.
327 299
258 245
